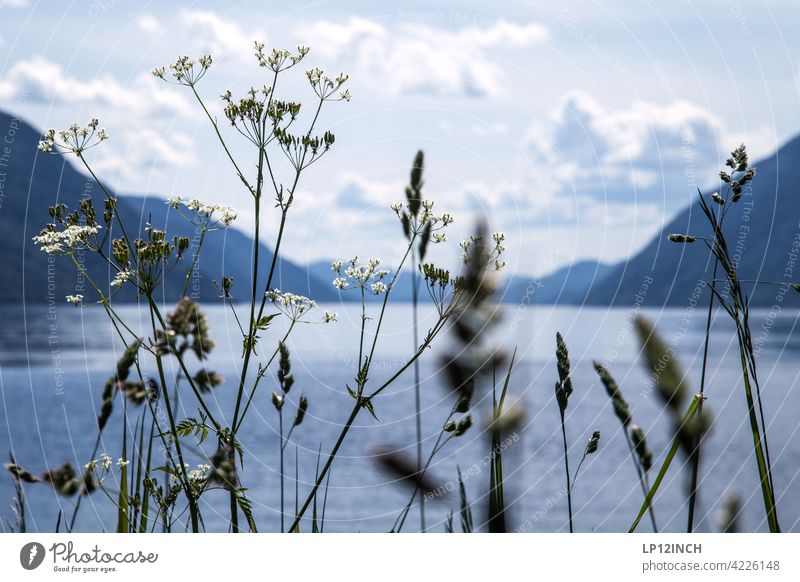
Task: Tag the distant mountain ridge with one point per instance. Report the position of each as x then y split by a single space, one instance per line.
762 229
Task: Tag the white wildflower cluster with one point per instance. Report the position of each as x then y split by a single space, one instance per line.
355 275
326 87
74 237
223 216
419 224
104 461
74 140
184 70
290 304
121 277
490 255
279 59
122 462
195 475
198 474
329 317
75 300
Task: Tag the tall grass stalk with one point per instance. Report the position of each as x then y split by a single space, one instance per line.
737 178
563 392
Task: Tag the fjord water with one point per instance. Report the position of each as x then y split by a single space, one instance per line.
53 364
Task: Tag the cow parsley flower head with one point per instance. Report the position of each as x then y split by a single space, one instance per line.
198 474
216 215
290 304
353 274
105 461
121 277
419 218
185 71
279 59
73 140
378 288
329 317
328 88
488 255
75 300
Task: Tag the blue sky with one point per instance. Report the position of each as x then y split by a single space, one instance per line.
577 127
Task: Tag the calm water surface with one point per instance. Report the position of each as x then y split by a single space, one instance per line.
52 371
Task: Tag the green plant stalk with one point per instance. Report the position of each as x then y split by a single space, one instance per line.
644 481
280 425
349 423
123 525
438 445
676 443
146 497
137 479
195 259
497 519
417 400
695 457
566 470
766 487
193 512
260 376
747 360
253 319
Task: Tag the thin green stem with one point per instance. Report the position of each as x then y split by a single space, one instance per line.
417 400
566 470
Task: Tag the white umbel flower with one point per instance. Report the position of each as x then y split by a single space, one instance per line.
75 300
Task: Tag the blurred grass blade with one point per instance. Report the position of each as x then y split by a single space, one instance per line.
676 444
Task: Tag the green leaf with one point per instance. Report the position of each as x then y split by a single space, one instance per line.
676 443
247 510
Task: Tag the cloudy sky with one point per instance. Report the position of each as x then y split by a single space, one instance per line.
577 128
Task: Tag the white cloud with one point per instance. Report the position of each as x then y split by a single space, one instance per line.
140 152
14 3
43 81
417 58
150 24
205 31
645 153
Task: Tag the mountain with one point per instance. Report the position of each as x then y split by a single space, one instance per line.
763 233
566 286
31 182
